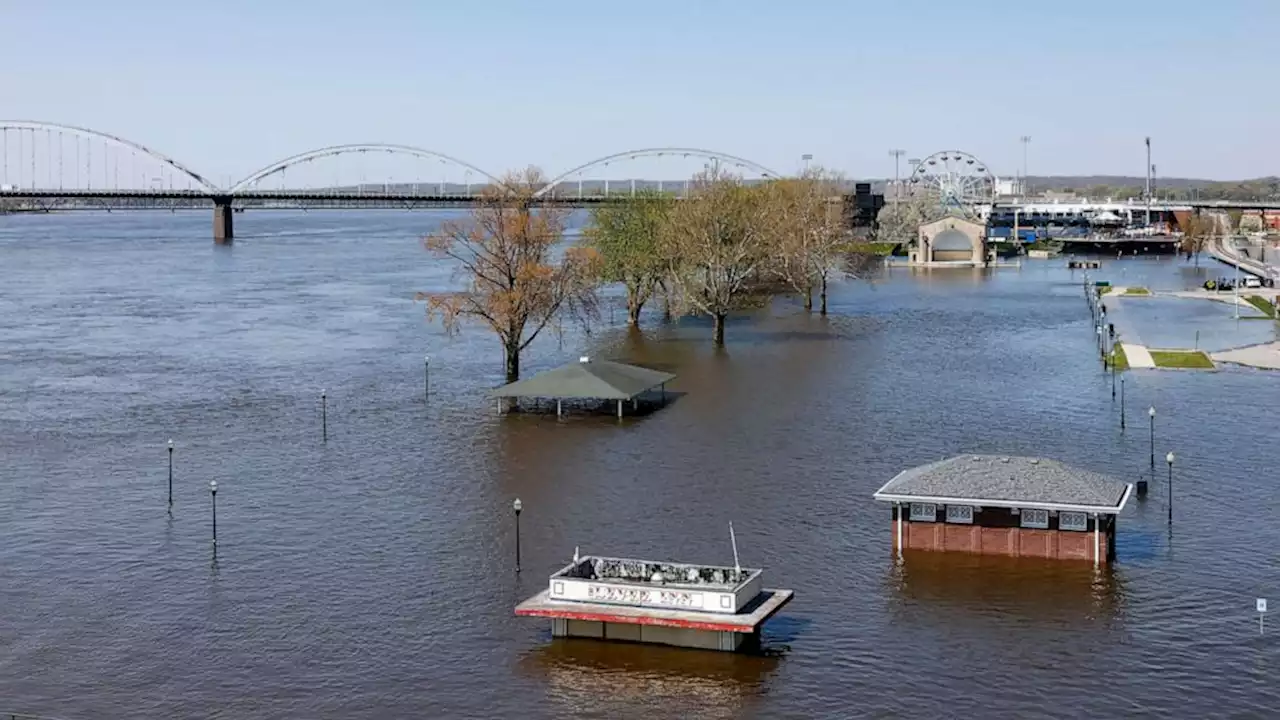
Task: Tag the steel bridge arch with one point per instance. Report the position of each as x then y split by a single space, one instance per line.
160 157
658 152
335 150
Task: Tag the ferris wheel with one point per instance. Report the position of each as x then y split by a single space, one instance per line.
956 181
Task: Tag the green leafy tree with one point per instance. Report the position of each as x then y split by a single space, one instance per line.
624 234
717 244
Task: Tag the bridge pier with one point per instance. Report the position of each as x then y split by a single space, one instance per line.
223 222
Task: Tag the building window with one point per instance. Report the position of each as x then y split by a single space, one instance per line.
1073 521
924 512
960 514
1032 518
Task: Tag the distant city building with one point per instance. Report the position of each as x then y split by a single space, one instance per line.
1008 188
861 209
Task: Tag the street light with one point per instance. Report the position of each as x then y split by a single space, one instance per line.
517 506
1122 402
1151 413
1111 333
213 496
1026 183
171 473
1169 459
896 154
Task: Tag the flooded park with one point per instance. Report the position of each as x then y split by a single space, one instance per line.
371 573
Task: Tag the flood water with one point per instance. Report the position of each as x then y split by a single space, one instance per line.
373 576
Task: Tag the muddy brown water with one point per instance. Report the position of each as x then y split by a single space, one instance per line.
373 575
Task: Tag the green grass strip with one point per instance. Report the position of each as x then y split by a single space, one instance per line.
1184 359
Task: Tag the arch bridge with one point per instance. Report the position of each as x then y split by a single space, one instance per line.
47 166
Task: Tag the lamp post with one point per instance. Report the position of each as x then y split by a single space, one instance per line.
1097 331
1151 413
1169 459
1122 402
1026 181
171 473
1111 332
426 377
896 154
517 506
213 496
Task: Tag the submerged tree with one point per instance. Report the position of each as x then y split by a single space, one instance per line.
899 222
625 234
807 231
505 253
1196 230
715 243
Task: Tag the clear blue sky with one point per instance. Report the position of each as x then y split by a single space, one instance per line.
231 85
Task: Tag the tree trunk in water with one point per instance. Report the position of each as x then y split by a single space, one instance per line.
719 333
633 311
808 298
824 296
513 363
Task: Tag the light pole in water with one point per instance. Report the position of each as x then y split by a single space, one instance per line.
1169 459
517 506
1151 413
213 496
171 473
1111 332
1122 402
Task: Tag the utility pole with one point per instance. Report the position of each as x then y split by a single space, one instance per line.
1026 182
897 184
1148 181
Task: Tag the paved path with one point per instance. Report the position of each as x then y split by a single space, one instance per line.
1261 356
1138 356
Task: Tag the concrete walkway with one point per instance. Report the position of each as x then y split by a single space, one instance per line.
1261 356
1138 356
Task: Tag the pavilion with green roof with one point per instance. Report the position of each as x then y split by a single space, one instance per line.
587 379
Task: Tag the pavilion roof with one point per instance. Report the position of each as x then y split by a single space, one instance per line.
587 380
1007 481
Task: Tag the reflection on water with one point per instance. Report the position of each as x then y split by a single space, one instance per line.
1037 590
583 678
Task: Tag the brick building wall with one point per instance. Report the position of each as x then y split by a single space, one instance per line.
1007 539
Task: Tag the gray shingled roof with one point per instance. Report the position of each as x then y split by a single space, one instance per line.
1006 479
587 380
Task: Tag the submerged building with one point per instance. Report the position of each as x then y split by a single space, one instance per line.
1018 506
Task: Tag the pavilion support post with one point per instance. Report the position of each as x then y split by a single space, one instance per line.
559 410
1097 538
635 404
897 511
619 409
